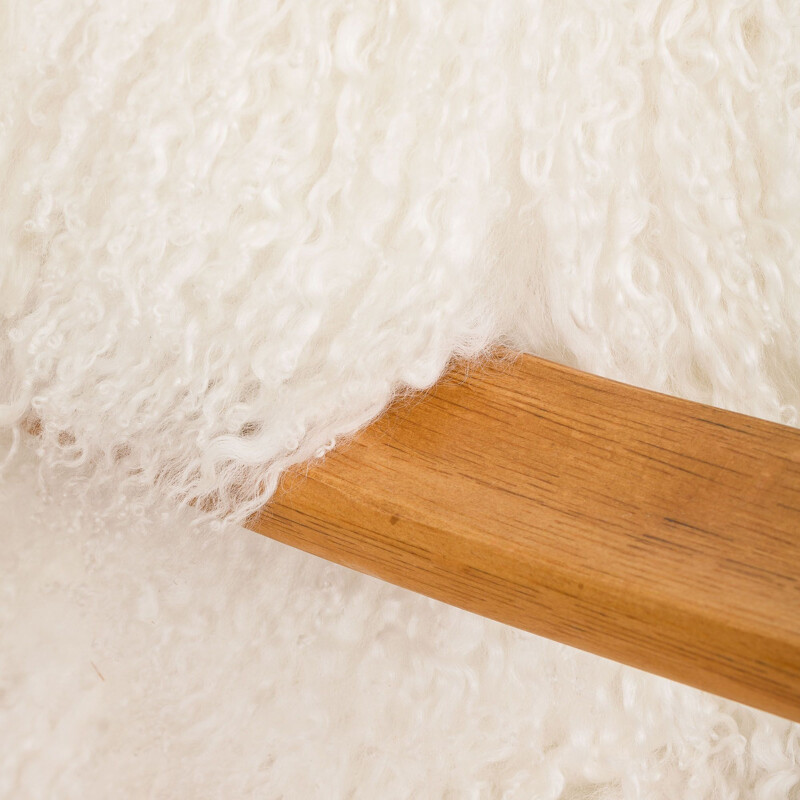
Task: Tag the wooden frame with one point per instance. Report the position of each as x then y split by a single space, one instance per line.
651 530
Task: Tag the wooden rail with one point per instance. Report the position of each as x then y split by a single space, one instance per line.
651 530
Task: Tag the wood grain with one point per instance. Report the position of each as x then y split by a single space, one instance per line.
647 529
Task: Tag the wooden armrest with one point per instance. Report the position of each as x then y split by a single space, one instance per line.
654 531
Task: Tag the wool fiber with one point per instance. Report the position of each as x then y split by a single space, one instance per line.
231 233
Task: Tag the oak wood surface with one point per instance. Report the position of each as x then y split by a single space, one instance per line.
647 529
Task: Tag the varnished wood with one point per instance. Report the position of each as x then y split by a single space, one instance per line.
654 531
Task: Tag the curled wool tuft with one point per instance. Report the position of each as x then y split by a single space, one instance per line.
231 232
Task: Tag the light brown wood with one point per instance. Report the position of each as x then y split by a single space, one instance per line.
654 531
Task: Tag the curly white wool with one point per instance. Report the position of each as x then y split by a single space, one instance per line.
234 231
231 231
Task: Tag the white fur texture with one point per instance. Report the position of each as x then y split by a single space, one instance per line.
230 233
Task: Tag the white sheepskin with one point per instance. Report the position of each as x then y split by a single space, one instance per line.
230 232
